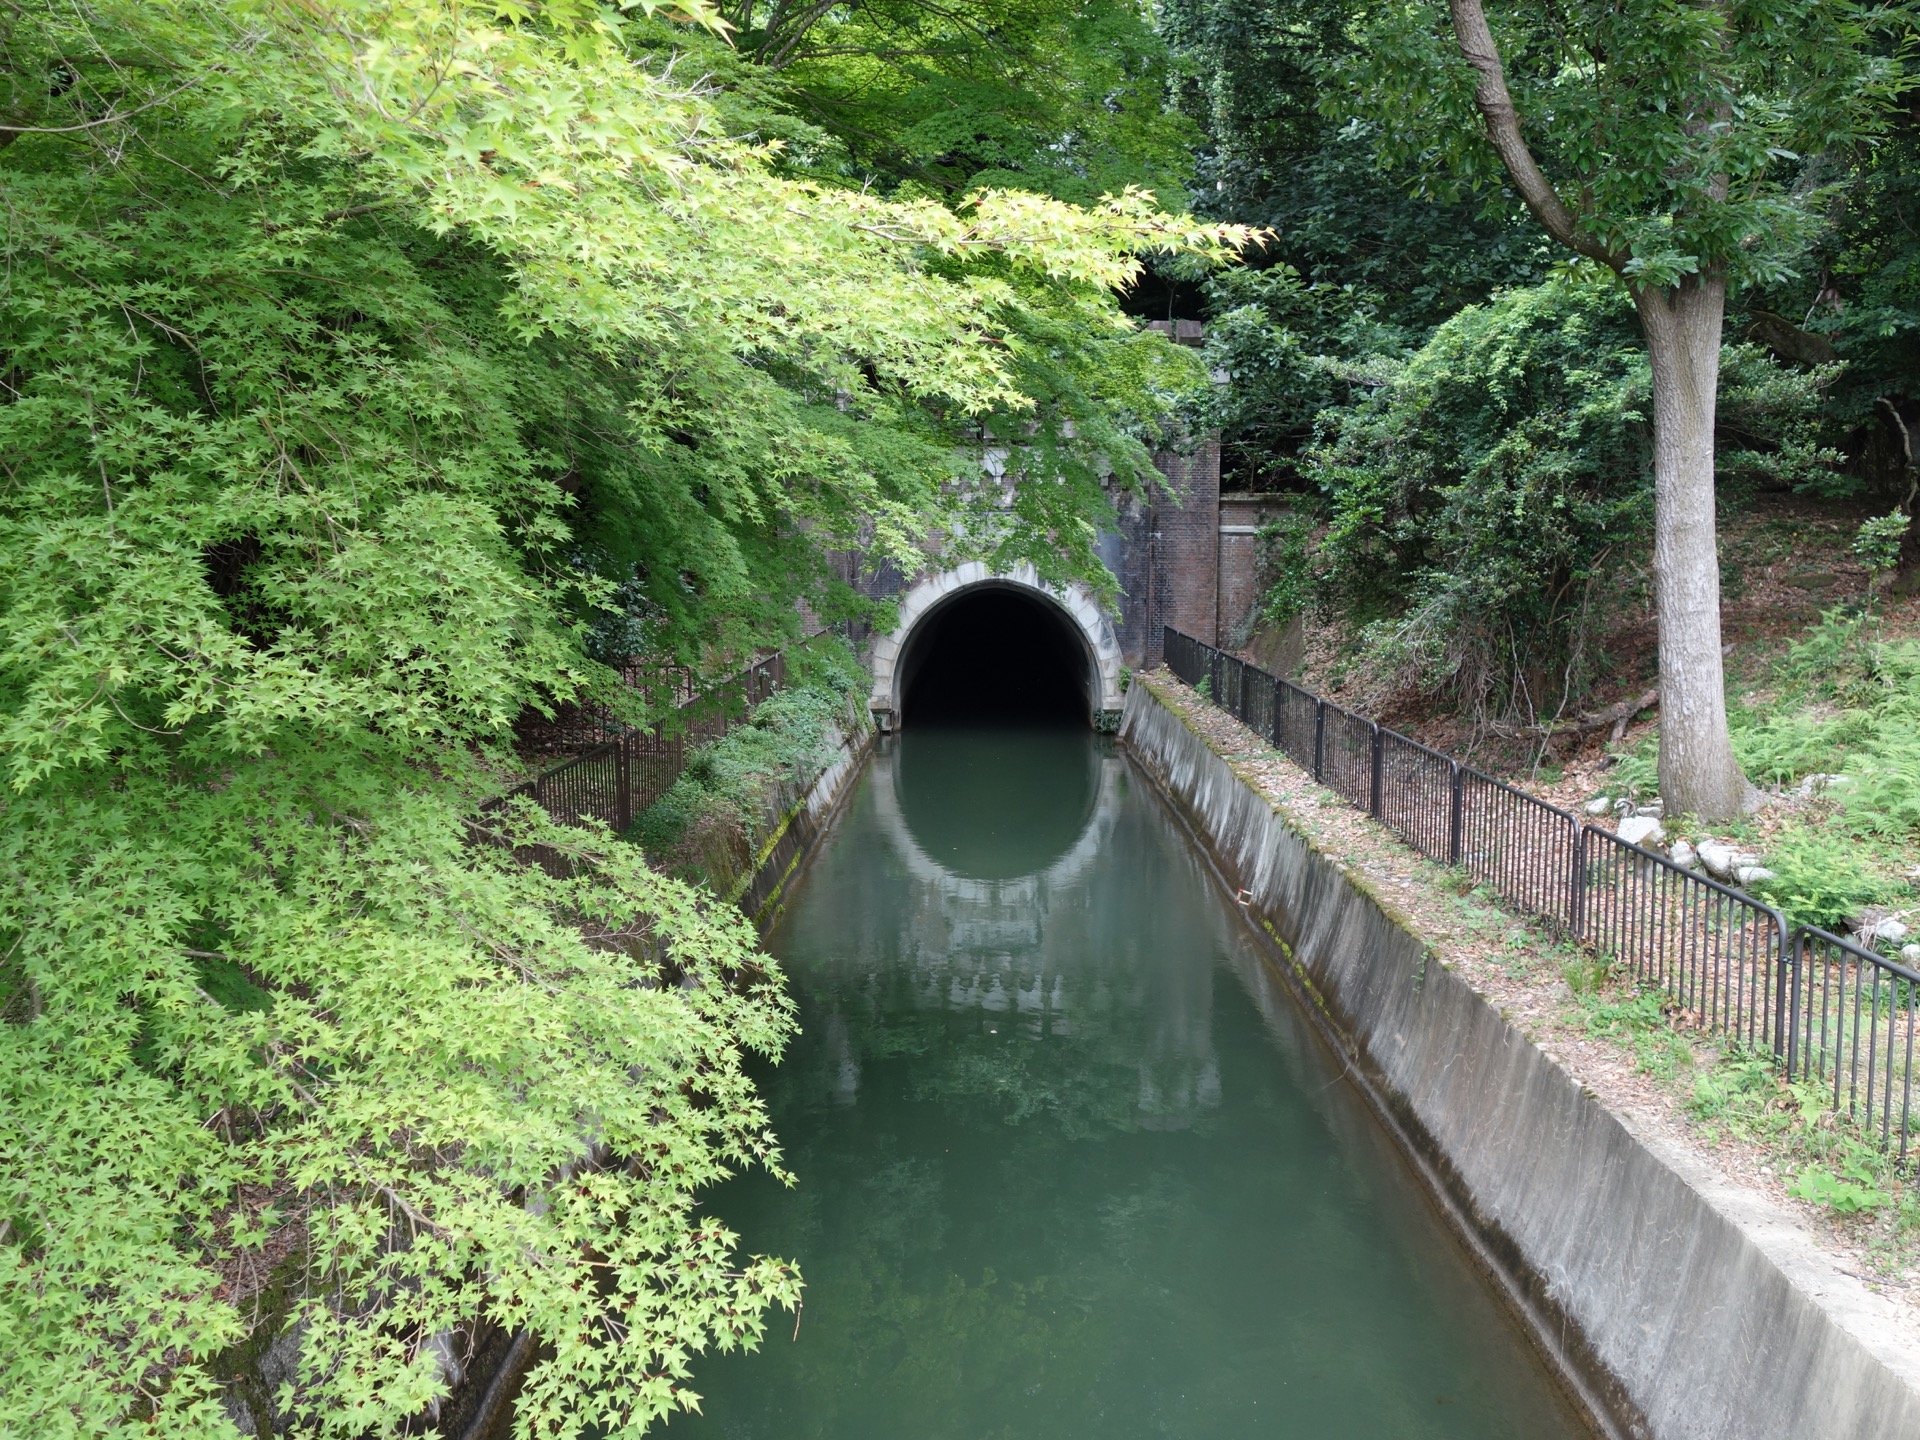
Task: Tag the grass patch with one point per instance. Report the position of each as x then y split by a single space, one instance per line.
1843 703
1824 1156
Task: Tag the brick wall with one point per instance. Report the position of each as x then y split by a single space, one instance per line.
1241 516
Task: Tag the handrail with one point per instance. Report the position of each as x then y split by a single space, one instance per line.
618 779
1829 1010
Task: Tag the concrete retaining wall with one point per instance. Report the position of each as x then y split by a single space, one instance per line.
759 894
1676 1312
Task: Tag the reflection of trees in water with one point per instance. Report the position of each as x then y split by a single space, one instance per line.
1029 1206
1069 992
890 1330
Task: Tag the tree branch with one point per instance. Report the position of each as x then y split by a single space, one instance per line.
331 217
1614 715
1491 98
107 119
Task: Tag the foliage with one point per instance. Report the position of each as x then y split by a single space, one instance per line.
1637 1020
1840 712
1834 1166
1291 352
1859 293
1878 543
1062 99
1285 564
1478 498
1851 1192
1663 143
1484 495
1682 139
1823 877
356 359
1252 73
1845 708
1874 738
730 783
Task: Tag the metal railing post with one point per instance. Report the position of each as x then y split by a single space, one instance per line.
1457 813
1376 781
1319 738
1786 1004
1577 900
622 787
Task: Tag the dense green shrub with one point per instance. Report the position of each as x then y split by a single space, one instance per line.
1284 556
1480 497
1289 351
1493 497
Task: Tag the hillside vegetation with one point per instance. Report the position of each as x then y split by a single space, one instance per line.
1457 392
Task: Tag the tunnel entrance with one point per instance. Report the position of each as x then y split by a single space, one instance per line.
996 655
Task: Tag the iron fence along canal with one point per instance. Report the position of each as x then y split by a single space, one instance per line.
617 780
1830 1011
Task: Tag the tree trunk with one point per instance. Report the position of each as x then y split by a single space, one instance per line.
1698 774
1906 567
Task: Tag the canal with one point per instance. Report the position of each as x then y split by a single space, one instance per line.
1069 1160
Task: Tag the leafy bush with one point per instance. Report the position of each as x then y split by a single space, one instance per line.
1293 351
1823 876
1479 498
1286 571
728 785
1486 496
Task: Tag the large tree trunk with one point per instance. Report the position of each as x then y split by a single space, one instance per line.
1698 774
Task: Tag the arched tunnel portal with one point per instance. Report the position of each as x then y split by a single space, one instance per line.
972 645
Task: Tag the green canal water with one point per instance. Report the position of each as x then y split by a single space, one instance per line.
1069 1162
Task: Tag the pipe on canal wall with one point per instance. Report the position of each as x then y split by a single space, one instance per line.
1674 1306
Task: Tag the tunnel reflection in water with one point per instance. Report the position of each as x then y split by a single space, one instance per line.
991 804
996 655
1069 1162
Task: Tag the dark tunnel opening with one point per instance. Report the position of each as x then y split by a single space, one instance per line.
996 656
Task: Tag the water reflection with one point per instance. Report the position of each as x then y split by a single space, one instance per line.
998 908
993 803
1068 1163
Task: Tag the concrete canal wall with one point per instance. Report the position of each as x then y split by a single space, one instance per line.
1677 1308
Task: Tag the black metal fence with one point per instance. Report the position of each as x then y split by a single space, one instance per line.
1829 1010
616 780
